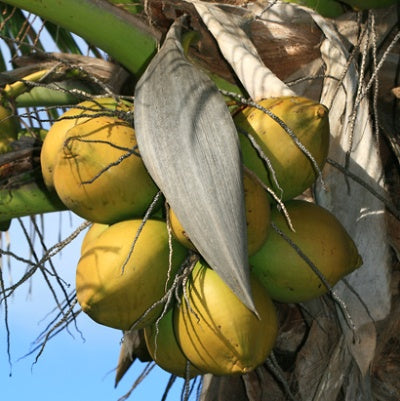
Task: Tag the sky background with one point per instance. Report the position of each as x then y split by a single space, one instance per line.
73 366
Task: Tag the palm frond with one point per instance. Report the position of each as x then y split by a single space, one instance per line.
64 40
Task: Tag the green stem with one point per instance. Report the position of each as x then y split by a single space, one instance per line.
19 87
28 199
22 189
123 36
52 95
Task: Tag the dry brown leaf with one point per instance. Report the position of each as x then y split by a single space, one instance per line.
223 388
321 363
262 386
367 296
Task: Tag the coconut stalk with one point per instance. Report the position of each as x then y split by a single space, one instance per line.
70 79
28 198
64 93
22 191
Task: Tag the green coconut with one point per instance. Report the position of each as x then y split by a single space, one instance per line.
319 235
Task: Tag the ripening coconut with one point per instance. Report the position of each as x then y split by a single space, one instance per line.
164 349
217 332
294 170
320 236
55 137
116 285
96 177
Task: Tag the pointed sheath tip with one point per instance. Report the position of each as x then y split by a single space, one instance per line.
247 300
240 286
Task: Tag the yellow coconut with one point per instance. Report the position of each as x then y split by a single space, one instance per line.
164 349
178 231
321 237
115 286
216 332
257 216
94 231
55 137
294 170
97 178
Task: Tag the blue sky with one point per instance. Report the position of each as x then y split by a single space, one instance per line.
73 366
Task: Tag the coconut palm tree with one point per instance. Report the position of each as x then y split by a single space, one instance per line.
345 55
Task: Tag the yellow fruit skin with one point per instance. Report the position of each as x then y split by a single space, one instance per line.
321 237
258 213
55 137
257 216
216 332
294 170
115 296
94 231
123 191
164 349
178 231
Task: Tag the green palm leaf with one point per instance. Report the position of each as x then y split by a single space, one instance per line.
62 38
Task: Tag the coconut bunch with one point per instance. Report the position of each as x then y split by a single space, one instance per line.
200 277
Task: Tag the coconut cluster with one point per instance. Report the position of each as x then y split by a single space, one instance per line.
146 274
